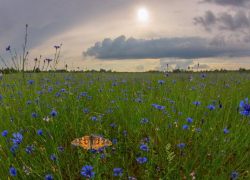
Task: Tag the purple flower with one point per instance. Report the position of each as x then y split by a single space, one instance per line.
29 149
34 114
53 113
181 145
144 120
118 171
53 158
234 175
144 147
114 141
113 125
60 148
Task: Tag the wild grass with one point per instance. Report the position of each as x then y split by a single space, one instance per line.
209 152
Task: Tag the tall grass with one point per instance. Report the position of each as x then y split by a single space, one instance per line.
210 152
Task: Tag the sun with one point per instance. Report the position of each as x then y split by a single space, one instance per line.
142 14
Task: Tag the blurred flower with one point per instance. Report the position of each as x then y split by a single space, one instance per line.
144 120
53 158
8 48
118 171
190 120
4 133
113 125
185 127
29 149
48 177
13 171
40 132
234 175
181 145
144 147
53 113
225 130
141 159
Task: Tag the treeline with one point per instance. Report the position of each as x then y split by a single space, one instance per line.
37 70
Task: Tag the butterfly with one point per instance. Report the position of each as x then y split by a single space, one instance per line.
91 142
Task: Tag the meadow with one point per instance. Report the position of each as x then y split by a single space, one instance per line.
162 126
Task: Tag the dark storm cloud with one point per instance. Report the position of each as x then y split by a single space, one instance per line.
224 21
239 3
177 47
218 40
207 21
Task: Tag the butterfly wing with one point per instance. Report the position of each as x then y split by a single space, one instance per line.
83 142
99 142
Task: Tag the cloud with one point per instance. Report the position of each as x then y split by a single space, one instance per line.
201 66
207 21
176 47
238 24
237 3
218 40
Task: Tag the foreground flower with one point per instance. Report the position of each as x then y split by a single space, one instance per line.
18 138
225 130
245 107
13 171
87 171
118 171
29 149
144 147
234 175
48 177
4 133
141 159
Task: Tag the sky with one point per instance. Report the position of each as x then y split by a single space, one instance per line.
108 34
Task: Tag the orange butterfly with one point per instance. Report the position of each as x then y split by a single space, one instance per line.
91 142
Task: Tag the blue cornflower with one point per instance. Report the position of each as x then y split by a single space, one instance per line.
147 139
31 81
161 82
159 107
125 133
141 159
28 103
8 48
211 107
94 118
190 120
87 171
181 145
4 133
114 84
53 113
29 149
56 47
144 147
144 120
53 158
34 114
13 171
245 107
14 147
11 118
234 175
225 130
196 103
203 75
18 138
118 171
113 125
60 148
48 177
114 141
185 127
40 132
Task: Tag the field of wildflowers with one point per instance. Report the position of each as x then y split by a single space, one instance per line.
162 126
